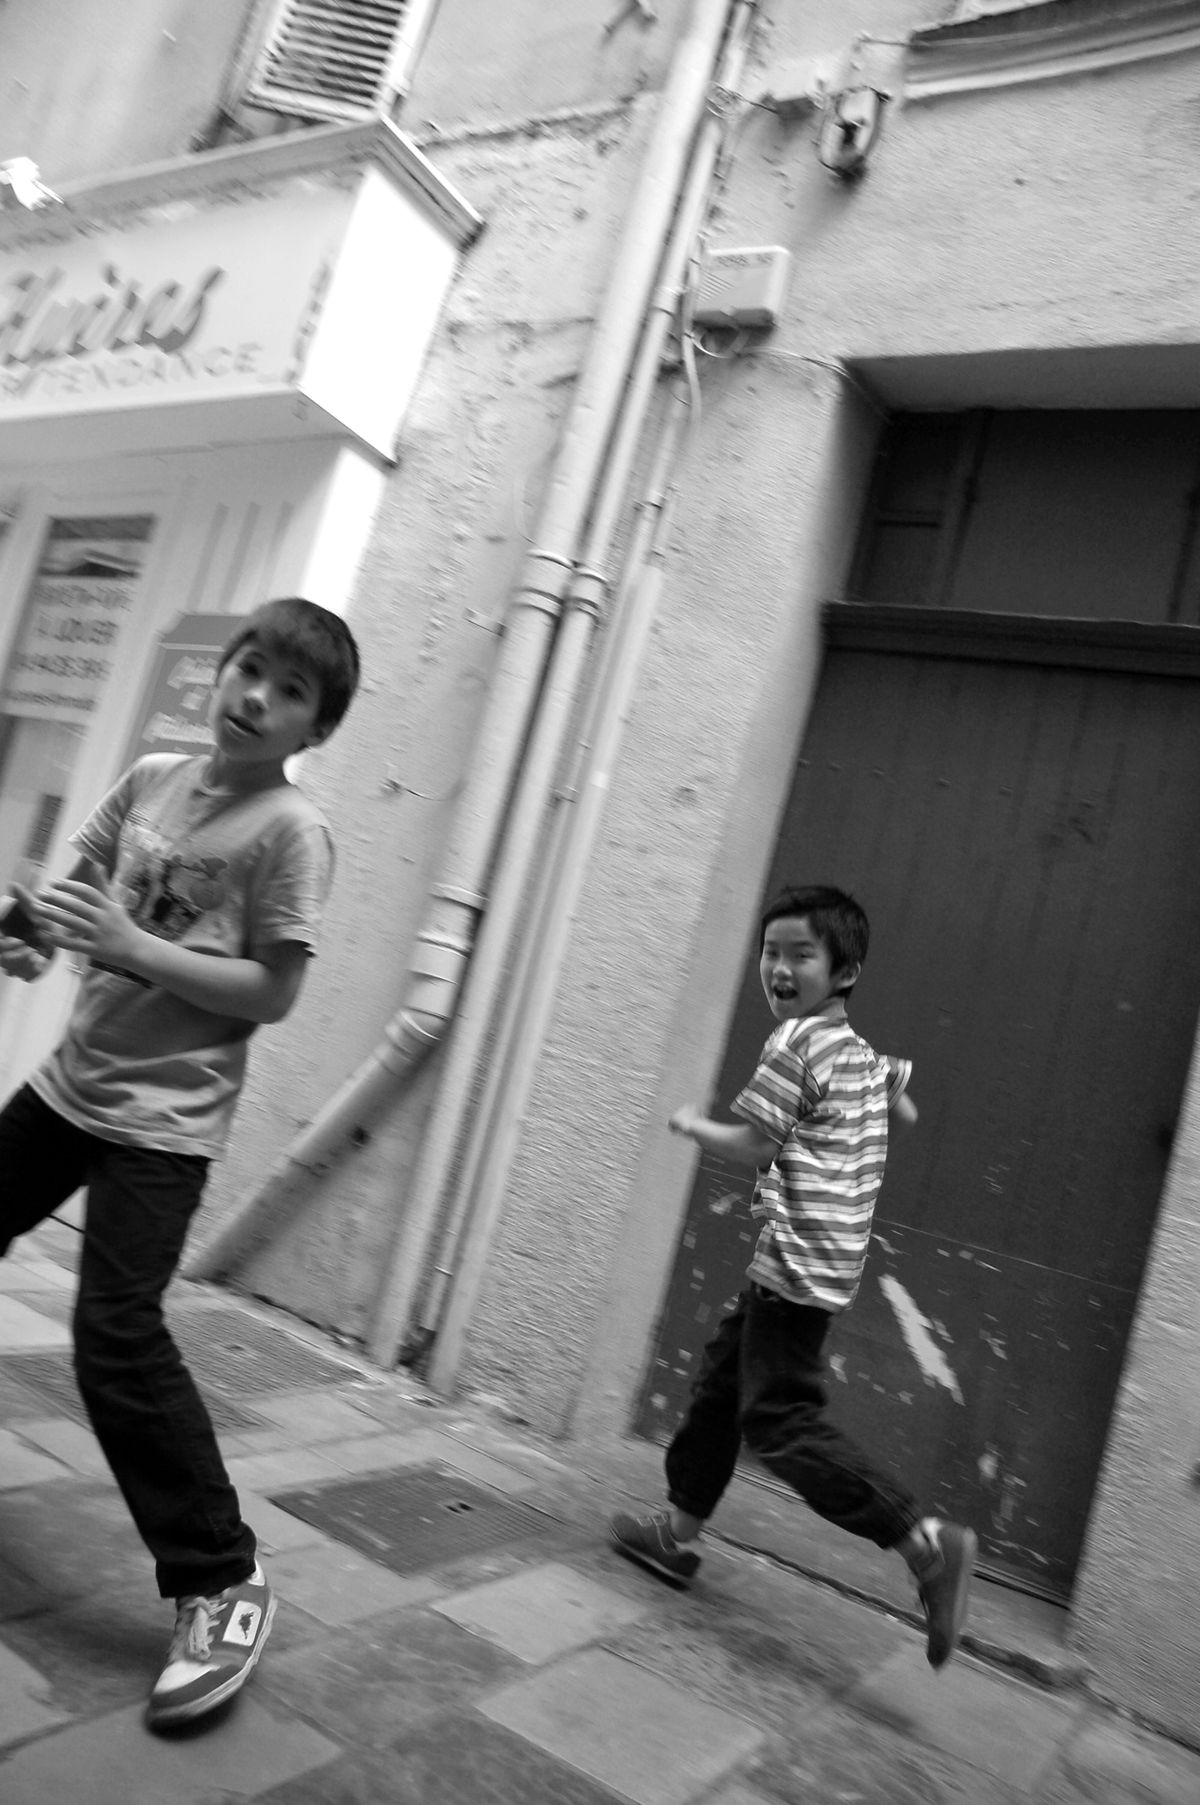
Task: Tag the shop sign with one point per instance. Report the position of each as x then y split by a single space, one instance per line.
173 713
81 596
215 303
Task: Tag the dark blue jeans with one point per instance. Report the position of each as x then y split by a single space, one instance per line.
144 1407
761 1382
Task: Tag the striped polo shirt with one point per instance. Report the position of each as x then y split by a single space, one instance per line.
823 1094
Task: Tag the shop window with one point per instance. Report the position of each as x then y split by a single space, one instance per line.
65 657
1084 514
337 59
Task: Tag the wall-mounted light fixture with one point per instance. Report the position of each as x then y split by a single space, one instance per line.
850 124
845 92
22 187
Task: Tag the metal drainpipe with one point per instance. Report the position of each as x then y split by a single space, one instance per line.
489 967
462 1260
444 943
492 1131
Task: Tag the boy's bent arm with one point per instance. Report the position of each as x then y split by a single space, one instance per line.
740 1142
903 1111
82 917
260 989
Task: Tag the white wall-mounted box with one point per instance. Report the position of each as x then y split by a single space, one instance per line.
742 286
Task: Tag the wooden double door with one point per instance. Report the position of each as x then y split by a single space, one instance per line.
1021 819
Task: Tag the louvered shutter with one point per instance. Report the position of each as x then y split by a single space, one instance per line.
335 58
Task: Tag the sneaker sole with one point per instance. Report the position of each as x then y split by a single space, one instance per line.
962 1592
158 1715
643 1559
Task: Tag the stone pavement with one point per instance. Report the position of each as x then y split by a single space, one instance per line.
478 1643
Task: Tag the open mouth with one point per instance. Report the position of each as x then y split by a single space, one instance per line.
239 726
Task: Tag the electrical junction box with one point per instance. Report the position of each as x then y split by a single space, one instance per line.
742 287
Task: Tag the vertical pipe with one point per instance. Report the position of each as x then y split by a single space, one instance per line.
445 942
496 1113
423 1206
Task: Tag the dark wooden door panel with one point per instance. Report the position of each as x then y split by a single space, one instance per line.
1026 840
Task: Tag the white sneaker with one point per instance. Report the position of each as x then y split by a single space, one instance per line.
214 1650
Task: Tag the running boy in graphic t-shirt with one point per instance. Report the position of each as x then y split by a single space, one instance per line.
195 901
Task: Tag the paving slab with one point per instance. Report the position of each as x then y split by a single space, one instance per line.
465 1459
96 1653
632 1731
75 1538
457 1760
337 1586
71 1443
373 1685
541 1612
277 1530
21 1465
380 1452
34 1275
1115 1763
26 1706
995 1724
834 1758
761 1643
114 1760
314 1416
23 1329
21 1594
18 1402
274 1472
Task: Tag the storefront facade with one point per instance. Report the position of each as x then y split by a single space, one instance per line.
203 369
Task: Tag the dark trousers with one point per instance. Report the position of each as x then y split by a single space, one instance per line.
147 1414
761 1383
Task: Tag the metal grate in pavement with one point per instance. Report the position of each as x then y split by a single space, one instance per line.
237 1354
231 1356
415 1517
51 1378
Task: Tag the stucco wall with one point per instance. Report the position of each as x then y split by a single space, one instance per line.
447 544
485 63
90 86
595 1202
1048 218
974 229
1136 1609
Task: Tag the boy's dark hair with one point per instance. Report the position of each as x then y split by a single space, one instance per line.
838 922
320 642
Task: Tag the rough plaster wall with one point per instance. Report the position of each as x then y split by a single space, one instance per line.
1136 1610
69 67
1054 216
689 825
447 544
976 226
486 62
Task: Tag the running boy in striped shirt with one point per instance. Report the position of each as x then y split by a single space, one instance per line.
814 1125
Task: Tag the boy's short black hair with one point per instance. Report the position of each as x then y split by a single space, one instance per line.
838 921
320 642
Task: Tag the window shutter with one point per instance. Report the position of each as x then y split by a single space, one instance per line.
335 58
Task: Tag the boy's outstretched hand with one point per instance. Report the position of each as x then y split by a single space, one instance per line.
18 958
684 1119
84 918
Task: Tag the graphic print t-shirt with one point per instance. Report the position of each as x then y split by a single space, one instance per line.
221 874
